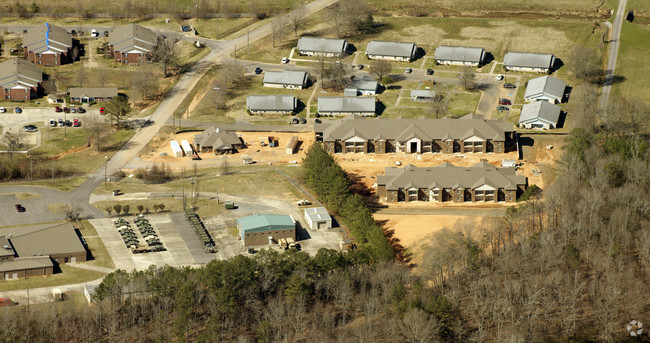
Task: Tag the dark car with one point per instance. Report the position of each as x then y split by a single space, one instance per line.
360 66
509 85
105 33
18 110
68 123
505 102
502 108
317 121
20 208
258 70
66 109
81 110
429 71
303 121
58 109
295 121
408 70
31 128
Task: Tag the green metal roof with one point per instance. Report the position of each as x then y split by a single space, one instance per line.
266 222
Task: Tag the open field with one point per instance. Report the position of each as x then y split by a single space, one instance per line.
457 6
68 275
101 258
632 69
204 207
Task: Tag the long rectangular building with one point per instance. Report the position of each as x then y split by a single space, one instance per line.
469 134
481 182
47 45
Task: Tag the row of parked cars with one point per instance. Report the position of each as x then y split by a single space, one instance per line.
59 109
16 110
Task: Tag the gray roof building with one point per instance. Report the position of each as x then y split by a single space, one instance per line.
449 176
540 114
417 94
286 77
365 84
271 103
459 54
217 139
528 60
93 92
346 105
46 240
405 129
132 37
44 38
5 248
545 88
393 49
19 72
322 45
24 263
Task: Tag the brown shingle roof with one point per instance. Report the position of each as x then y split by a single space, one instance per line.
17 71
132 37
217 139
47 37
24 263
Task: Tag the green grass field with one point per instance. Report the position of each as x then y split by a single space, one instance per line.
632 69
454 6
68 275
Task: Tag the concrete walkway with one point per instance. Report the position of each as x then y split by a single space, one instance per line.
613 54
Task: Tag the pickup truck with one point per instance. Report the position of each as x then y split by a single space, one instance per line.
303 202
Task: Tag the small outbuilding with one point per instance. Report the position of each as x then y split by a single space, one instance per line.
176 149
545 88
266 229
539 115
318 218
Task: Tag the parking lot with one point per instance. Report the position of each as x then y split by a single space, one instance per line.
36 211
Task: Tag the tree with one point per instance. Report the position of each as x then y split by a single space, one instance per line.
161 206
80 77
278 27
349 16
72 212
468 77
117 208
439 106
380 68
118 109
140 208
126 209
155 208
145 84
74 55
109 210
49 85
297 16
97 130
13 141
164 52
585 64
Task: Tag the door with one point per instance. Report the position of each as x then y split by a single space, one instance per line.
14 276
73 259
414 147
322 225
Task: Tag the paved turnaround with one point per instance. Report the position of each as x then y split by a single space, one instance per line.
613 53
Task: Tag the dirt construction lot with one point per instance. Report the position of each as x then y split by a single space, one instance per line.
260 154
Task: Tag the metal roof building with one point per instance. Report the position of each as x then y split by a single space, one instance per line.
545 88
285 79
422 94
400 51
459 55
325 46
528 61
262 229
539 115
318 218
282 104
339 105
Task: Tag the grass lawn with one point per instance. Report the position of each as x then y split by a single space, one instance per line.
463 103
451 6
204 207
101 258
632 67
68 275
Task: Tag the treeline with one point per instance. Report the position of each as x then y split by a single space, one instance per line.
19 168
270 297
332 186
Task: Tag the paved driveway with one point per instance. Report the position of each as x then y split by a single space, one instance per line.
35 211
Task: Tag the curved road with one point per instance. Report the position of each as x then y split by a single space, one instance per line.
613 54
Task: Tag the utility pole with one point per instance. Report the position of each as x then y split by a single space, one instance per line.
248 40
105 169
183 190
31 171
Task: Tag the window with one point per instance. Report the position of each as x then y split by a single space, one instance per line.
125 61
413 194
499 150
39 61
459 191
458 198
479 195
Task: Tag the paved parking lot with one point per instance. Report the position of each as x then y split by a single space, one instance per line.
35 211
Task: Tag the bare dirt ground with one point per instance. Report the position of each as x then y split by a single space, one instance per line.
260 154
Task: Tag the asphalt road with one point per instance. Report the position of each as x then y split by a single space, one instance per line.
613 54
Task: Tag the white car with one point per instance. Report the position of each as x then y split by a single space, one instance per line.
94 33
285 60
499 77
3 110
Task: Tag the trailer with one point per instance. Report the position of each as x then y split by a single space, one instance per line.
283 243
292 145
187 148
176 149
291 244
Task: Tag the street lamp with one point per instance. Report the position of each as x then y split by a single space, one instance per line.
193 182
218 97
105 168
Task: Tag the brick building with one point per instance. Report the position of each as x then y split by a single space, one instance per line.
48 45
20 80
481 182
131 44
265 229
469 134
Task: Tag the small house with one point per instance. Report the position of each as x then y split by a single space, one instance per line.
266 229
528 61
545 88
318 218
312 46
459 55
539 115
290 79
217 141
341 105
271 104
422 95
393 51
92 94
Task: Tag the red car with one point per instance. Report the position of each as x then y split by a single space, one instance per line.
66 110
505 102
20 208
101 110
58 109
76 123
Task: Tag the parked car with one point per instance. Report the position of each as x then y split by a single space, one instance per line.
80 33
509 85
31 128
73 110
285 60
20 208
73 32
505 102
303 121
94 33
105 33
258 70
3 110
18 110
101 110
76 123
360 66
52 123
429 71
317 121
81 110
68 123
408 70
66 109
303 202
295 121
499 77
58 109
61 122
502 108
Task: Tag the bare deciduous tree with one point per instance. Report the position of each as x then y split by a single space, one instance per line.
13 141
279 27
118 109
297 16
380 68
164 52
585 64
97 129
468 76
439 106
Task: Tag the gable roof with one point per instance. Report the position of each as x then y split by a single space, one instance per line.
545 85
423 93
343 104
286 77
129 37
317 213
217 139
266 222
540 110
23 263
364 84
528 60
397 49
5 247
459 53
324 45
447 175
271 102
47 37
17 71
93 92
427 129
45 240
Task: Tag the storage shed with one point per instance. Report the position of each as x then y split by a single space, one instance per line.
318 218
292 145
187 149
176 149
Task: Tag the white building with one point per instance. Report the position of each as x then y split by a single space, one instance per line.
545 88
393 51
318 218
528 61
